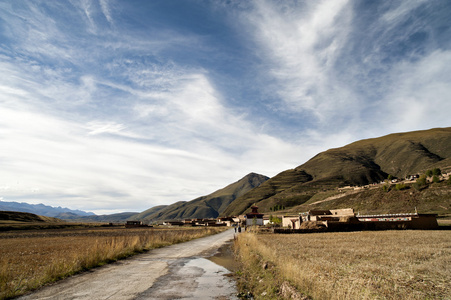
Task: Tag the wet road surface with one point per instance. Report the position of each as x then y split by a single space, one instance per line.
175 272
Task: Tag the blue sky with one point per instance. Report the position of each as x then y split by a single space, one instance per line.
111 106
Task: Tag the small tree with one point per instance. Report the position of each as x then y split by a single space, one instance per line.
400 186
436 172
275 220
435 179
422 180
420 183
428 173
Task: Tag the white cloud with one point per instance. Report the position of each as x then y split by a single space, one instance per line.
162 146
106 10
99 127
420 93
301 45
393 16
348 75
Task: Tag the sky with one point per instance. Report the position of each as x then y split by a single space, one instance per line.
110 105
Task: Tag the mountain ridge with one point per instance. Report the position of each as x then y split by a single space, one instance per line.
40 209
209 206
359 163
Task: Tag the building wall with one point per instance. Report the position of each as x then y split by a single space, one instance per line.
286 222
342 212
258 221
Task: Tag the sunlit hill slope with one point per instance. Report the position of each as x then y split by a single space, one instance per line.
360 163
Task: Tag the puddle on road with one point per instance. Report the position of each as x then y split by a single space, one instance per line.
225 257
197 278
213 284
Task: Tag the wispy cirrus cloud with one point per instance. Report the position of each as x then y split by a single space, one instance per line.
105 6
137 131
341 67
301 43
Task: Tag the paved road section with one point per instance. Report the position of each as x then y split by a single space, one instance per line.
174 272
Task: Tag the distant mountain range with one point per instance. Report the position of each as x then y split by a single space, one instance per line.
209 206
312 185
41 209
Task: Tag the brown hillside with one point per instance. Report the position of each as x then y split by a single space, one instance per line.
14 216
359 163
209 206
436 198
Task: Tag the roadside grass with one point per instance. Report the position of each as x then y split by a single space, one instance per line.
350 265
31 259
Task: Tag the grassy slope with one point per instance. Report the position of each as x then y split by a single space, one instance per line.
436 198
119 217
359 163
209 206
22 217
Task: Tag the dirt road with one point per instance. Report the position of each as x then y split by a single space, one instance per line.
176 272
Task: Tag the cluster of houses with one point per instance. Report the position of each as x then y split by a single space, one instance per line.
328 220
346 219
408 178
252 218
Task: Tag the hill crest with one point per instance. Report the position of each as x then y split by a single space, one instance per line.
209 206
359 163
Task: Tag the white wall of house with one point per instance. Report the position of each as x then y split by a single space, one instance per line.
286 221
255 221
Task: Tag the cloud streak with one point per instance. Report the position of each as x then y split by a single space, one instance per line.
335 63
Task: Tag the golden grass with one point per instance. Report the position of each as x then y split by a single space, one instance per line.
30 259
352 265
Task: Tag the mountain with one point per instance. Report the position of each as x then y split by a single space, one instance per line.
40 209
153 213
118 217
360 163
209 206
14 216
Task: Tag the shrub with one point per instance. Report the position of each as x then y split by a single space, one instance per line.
275 220
400 186
435 179
277 207
436 172
420 183
422 180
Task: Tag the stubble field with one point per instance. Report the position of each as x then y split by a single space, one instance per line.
32 258
411 264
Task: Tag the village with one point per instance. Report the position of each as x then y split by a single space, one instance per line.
311 221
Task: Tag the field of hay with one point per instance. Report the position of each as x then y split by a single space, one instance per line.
32 258
410 264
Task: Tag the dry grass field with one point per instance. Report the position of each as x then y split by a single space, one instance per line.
410 264
32 258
